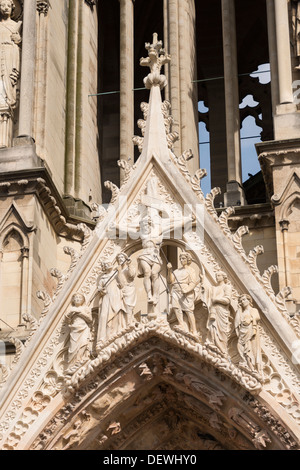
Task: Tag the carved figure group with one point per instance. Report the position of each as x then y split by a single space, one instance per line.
118 297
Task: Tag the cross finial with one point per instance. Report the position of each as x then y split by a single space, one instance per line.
156 45
157 57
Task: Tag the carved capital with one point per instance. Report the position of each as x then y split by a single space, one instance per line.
42 7
90 3
284 224
25 252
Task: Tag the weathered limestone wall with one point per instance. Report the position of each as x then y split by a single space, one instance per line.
266 237
30 248
50 99
47 253
16 235
65 115
260 220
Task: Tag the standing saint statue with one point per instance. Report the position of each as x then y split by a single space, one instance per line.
117 297
125 280
10 40
219 305
247 329
79 320
183 282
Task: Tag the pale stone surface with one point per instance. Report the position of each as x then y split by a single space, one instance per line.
167 325
99 344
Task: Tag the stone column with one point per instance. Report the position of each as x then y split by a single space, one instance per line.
71 97
234 194
79 120
188 74
126 81
284 277
166 46
217 128
41 76
24 283
179 34
273 54
283 52
26 112
286 115
171 32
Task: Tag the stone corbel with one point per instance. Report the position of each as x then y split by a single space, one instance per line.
284 225
42 7
91 3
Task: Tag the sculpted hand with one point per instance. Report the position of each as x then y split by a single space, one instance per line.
102 291
16 38
14 76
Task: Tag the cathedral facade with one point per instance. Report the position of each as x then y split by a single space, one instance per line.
149 249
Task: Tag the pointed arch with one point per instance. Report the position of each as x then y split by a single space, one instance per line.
287 206
14 248
152 397
11 229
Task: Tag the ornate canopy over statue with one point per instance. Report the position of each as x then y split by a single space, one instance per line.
179 338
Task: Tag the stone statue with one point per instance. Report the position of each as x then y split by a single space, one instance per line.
219 305
246 326
73 437
183 282
149 267
79 320
10 40
151 228
125 279
117 298
152 232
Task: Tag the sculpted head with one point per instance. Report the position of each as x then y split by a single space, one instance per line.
6 8
78 299
185 258
221 277
106 266
146 224
121 258
245 300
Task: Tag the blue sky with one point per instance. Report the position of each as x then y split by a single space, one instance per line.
249 133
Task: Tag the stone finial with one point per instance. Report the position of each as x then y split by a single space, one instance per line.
157 57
